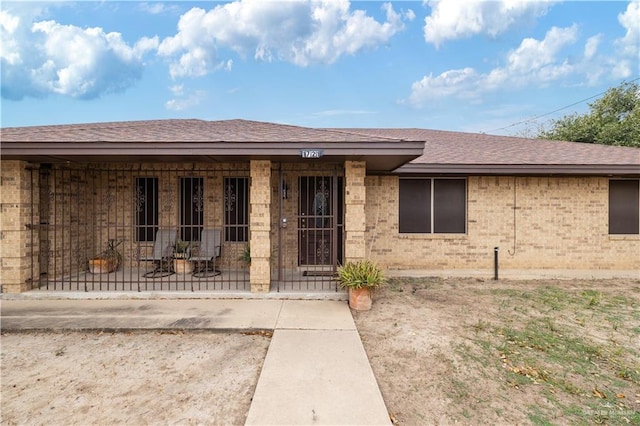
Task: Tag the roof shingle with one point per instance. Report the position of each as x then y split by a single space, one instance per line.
445 147
180 131
441 148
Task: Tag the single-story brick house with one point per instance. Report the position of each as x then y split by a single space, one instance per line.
291 203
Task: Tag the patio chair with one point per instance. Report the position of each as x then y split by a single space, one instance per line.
204 262
162 254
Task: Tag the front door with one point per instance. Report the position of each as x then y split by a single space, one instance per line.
319 216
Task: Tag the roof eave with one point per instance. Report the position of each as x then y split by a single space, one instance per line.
520 169
381 156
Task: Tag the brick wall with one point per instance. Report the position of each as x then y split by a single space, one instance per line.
355 212
560 223
18 196
260 225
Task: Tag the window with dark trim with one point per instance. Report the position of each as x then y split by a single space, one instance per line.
191 208
624 206
146 208
429 206
236 209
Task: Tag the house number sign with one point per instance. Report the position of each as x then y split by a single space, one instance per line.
311 153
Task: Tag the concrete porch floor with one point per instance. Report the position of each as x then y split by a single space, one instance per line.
130 283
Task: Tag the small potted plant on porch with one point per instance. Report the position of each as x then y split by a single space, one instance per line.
108 261
245 257
360 278
181 255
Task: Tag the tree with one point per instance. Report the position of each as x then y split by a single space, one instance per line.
613 119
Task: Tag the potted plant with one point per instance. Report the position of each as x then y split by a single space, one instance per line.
245 257
181 255
108 261
360 278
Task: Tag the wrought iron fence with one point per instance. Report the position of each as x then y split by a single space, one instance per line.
140 227
96 227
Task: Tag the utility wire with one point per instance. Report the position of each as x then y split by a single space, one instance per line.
554 111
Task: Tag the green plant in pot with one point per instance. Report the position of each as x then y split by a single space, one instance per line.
360 278
181 255
245 257
108 260
182 249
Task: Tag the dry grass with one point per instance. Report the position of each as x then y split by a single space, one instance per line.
506 352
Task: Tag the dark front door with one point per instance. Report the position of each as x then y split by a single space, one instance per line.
319 216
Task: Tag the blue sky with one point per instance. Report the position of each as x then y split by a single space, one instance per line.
477 66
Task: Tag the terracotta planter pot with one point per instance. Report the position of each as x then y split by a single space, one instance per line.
360 298
102 266
182 266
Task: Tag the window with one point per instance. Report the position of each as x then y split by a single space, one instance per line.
146 207
624 206
191 208
236 209
432 206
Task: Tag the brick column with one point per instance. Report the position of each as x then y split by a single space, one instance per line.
355 220
260 226
16 245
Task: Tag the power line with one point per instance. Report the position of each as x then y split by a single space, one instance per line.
554 111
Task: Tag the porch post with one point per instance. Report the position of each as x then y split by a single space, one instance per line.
355 220
260 226
16 242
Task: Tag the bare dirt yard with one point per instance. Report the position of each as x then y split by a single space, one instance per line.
467 351
129 378
444 351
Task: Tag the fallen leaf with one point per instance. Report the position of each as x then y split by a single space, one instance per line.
599 394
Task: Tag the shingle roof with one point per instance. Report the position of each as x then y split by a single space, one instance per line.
201 141
181 131
444 151
445 147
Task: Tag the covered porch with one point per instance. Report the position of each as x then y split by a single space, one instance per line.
286 213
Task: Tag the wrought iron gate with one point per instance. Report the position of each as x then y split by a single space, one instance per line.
310 228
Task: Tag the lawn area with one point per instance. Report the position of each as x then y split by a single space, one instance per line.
506 352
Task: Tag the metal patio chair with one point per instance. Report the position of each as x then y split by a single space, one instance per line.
204 261
162 254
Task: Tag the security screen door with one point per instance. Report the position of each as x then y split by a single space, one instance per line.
319 220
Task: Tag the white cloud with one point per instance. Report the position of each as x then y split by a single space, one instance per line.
158 8
455 19
86 62
591 47
177 90
409 15
299 32
533 62
621 69
183 102
47 57
9 49
535 54
630 20
461 82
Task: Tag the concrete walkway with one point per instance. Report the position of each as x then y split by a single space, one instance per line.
316 370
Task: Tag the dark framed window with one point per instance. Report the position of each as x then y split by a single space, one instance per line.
191 208
236 209
624 206
432 206
146 208
415 206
